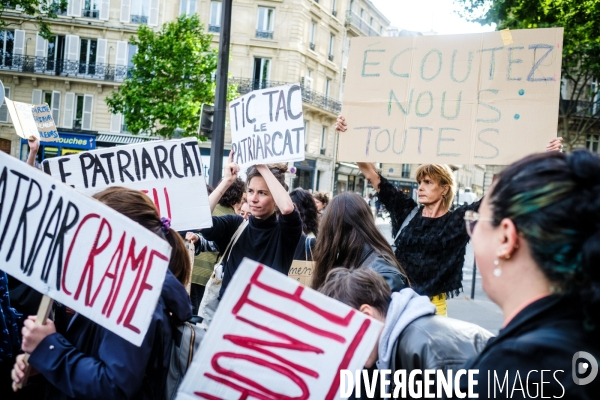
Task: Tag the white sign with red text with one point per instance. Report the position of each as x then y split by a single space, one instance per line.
169 172
273 338
78 251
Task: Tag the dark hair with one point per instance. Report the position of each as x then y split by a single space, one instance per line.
233 194
554 201
138 207
345 228
322 197
308 210
278 171
356 287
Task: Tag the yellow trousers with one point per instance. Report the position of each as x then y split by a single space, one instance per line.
439 301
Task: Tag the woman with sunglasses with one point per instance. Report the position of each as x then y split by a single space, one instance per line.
537 246
430 239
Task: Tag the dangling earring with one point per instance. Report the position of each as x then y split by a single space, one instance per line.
497 270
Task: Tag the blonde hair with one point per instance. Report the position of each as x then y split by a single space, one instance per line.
442 175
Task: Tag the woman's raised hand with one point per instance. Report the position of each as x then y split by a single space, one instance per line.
555 144
340 124
232 169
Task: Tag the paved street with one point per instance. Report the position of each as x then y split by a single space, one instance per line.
481 310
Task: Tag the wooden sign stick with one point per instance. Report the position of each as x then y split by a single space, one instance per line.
40 319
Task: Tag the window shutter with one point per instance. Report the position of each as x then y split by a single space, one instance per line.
55 106
115 123
74 8
101 54
183 7
86 118
19 43
41 52
125 11
153 18
72 45
104 10
121 61
36 96
69 110
4 108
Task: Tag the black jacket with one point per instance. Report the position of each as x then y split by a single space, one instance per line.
545 335
91 362
392 275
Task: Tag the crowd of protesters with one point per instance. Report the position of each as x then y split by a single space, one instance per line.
535 235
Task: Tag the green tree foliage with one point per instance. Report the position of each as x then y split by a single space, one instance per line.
171 78
579 109
39 11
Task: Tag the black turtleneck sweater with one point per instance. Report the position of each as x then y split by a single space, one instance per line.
271 241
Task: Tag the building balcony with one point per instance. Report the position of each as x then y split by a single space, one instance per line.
214 28
580 108
308 96
353 20
64 68
90 14
264 34
139 19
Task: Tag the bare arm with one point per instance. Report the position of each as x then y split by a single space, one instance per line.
280 195
230 175
34 146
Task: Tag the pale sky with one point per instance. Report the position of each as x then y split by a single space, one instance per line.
426 15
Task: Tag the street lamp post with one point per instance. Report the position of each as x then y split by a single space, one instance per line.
218 136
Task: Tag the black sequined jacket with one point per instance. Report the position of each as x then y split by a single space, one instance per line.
431 250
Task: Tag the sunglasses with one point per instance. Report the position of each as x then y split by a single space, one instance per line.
471 218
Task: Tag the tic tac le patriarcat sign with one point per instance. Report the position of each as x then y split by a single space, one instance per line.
78 251
169 172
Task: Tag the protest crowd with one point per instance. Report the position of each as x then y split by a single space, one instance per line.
148 310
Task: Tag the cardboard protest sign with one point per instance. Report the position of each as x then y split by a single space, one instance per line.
170 172
273 338
302 271
78 251
267 126
465 99
32 121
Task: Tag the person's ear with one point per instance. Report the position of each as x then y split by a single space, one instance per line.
509 237
367 309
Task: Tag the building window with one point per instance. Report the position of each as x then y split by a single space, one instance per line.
55 54
87 56
334 8
214 24
4 109
264 27
262 72
371 21
351 5
187 7
91 9
327 87
313 31
362 13
131 51
406 170
78 111
305 135
592 143
140 10
331 44
323 139
7 42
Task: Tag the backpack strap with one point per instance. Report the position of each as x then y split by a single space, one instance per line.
406 221
234 239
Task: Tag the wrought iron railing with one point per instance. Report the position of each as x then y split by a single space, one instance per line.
360 24
308 96
264 34
76 69
91 14
139 19
214 28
